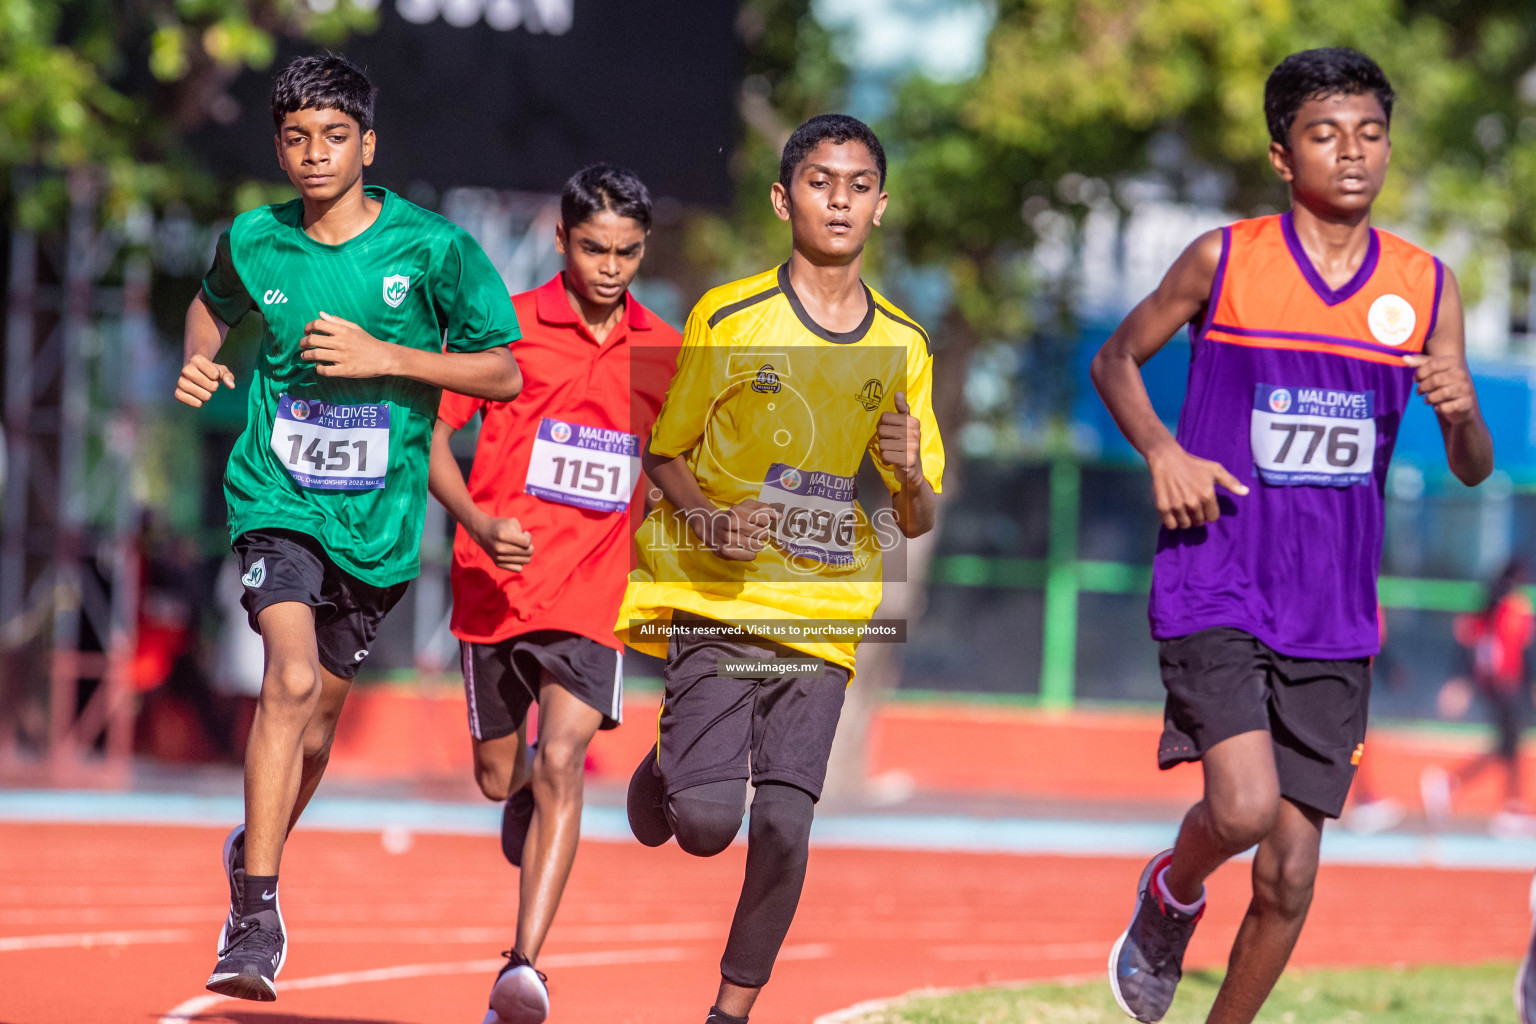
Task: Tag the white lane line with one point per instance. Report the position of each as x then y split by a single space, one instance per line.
88 940
185 1012
502 933
807 951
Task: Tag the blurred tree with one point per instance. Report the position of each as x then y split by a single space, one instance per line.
116 85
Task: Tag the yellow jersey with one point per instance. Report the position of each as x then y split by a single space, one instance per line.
768 404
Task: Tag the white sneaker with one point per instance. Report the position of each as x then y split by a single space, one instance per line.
520 995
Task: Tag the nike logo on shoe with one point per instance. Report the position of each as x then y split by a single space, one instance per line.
268 895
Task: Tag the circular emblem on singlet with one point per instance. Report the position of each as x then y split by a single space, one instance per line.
561 432
1391 319
789 479
1279 400
300 409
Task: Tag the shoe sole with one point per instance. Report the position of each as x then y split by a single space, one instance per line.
1114 952
513 851
518 997
242 986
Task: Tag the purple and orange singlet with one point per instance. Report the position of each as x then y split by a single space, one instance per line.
1298 389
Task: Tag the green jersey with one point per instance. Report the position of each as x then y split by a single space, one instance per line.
345 461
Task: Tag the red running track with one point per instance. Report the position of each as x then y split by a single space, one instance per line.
116 925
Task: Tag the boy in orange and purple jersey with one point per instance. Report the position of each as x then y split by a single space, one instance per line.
1311 330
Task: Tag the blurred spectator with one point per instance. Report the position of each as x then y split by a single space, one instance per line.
1496 639
1369 811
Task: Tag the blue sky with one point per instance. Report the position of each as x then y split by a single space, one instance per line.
942 38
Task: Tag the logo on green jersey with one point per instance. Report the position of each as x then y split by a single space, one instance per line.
395 287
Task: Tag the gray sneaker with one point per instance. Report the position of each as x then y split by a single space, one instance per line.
1148 959
1525 981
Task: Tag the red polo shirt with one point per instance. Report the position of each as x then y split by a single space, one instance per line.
581 555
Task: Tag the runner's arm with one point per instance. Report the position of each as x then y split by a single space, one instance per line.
1184 486
203 337
900 444
1446 384
503 539
340 348
737 533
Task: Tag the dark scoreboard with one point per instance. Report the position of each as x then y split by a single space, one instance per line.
516 94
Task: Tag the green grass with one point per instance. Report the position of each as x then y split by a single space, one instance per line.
1417 995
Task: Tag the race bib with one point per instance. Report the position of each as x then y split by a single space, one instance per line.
816 516
589 467
1313 437
327 446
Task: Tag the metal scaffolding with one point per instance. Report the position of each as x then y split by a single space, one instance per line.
69 560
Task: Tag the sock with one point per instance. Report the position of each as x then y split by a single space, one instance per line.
1183 908
719 1016
260 894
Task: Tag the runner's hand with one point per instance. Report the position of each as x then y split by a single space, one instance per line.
504 540
738 533
901 442
340 348
1185 488
1446 384
199 379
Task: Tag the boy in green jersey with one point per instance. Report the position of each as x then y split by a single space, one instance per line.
371 306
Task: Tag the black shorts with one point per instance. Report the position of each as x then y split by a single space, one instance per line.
284 565
501 680
776 727
1223 682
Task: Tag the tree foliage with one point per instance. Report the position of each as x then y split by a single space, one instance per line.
1076 90
117 85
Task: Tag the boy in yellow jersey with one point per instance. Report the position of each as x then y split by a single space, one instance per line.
757 568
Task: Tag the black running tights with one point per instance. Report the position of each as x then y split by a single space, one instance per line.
706 818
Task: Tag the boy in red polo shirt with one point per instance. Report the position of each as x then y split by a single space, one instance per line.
541 555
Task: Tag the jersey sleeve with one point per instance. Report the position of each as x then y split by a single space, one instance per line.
471 301
919 394
456 410
695 386
223 290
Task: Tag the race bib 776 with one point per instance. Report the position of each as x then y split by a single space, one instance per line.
1313 437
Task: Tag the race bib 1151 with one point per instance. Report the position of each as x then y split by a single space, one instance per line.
1313 437
589 467
328 446
816 516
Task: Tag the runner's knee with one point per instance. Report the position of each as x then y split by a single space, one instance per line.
781 821
559 765
291 686
1284 884
706 818
1242 818
498 777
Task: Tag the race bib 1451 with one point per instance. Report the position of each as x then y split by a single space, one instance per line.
327 446
1313 437
589 467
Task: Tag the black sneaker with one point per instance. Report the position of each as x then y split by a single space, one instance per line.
520 994
234 870
516 818
646 803
252 956
1525 981
1148 959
